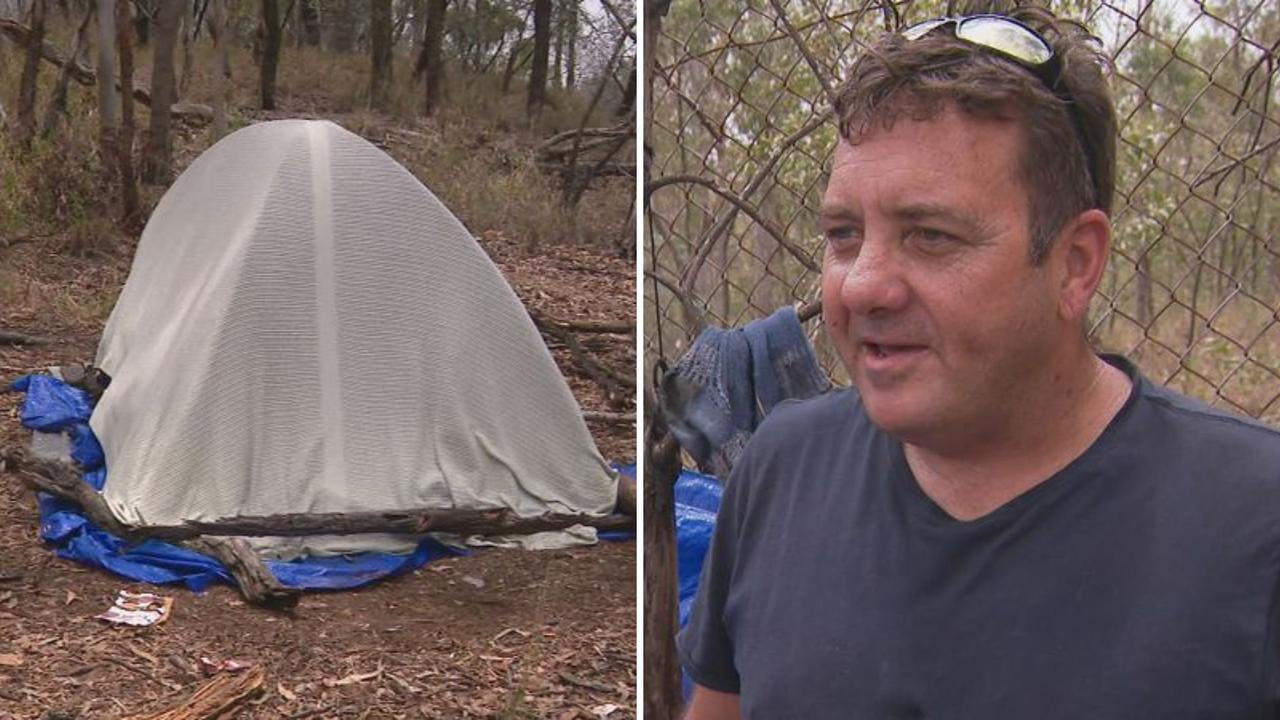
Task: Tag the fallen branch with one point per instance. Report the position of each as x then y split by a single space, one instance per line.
608 417
62 480
217 698
257 583
548 146
86 75
410 522
605 169
586 326
615 385
10 337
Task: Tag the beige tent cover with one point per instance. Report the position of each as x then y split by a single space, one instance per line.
306 328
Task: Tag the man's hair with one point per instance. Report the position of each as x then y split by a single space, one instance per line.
922 78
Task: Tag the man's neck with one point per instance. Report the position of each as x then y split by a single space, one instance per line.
1030 446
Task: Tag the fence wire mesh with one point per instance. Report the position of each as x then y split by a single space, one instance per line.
741 141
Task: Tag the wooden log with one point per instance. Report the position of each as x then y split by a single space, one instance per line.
623 130
409 522
257 583
614 383
608 417
10 337
218 698
626 496
662 694
585 326
63 480
86 75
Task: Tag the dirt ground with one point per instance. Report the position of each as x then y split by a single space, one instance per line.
496 634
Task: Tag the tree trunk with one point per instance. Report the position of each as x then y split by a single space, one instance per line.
188 39
541 49
341 21
558 49
433 55
513 63
58 103
310 18
108 105
85 75
222 68
628 103
26 126
157 157
571 57
142 20
418 26
270 51
380 51
128 185
661 593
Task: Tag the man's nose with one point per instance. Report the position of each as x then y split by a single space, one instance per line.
874 280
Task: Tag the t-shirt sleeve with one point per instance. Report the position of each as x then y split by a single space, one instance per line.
705 645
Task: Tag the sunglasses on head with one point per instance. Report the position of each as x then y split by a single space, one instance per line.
1015 41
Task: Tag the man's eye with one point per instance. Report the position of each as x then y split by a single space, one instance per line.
931 238
841 237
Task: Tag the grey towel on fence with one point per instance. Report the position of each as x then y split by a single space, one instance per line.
717 394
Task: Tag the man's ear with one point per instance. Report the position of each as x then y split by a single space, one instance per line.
1081 252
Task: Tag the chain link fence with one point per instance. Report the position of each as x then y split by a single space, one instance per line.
740 143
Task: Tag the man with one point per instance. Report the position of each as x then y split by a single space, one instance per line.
995 522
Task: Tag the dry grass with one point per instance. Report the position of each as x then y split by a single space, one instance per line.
478 156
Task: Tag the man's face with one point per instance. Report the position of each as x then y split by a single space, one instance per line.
928 290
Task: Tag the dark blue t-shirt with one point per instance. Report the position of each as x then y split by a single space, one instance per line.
1138 582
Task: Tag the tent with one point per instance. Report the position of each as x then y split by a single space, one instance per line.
307 329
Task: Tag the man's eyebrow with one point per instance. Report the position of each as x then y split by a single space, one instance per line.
930 211
832 213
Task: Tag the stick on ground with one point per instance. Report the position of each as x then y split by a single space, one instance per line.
217 698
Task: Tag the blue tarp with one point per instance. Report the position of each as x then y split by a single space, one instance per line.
51 405
697 502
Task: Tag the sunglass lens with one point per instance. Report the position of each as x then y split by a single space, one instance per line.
1007 37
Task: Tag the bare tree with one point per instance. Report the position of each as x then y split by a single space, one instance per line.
628 103
26 126
541 49
557 48
418 25
128 184
571 54
309 18
340 17
188 39
58 103
432 60
222 72
380 51
157 157
145 11
108 106
270 51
